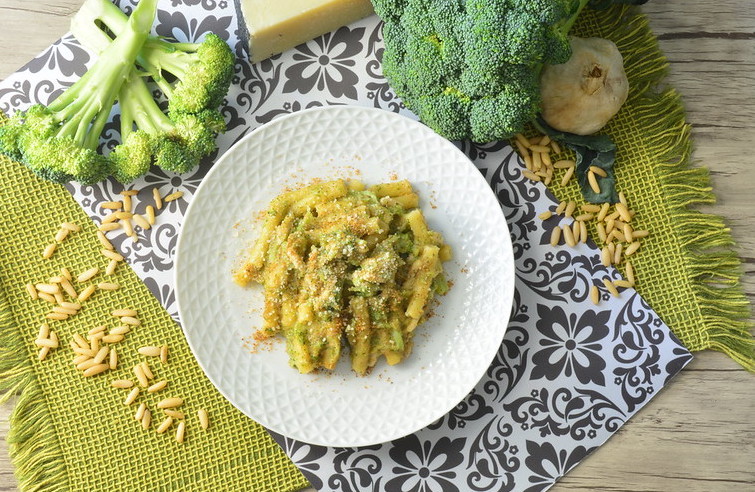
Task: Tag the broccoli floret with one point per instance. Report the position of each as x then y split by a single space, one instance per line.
59 141
469 68
200 72
174 142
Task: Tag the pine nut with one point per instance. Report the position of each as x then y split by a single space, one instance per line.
94 370
32 291
173 196
113 362
133 394
146 419
165 425
101 354
140 376
122 383
595 295
180 431
176 414
48 288
110 226
140 411
570 207
609 285
70 226
124 312
120 330
111 205
112 255
545 215
157 386
151 214
130 320
141 222
112 338
61 235
108 286
57 316
170 402
599 171
593 182
149 351
88 274
204 419
164 354
555 236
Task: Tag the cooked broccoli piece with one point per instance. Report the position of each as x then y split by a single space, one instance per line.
59 141
202 71
470 68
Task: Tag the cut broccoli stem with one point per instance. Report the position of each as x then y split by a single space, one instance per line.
84 108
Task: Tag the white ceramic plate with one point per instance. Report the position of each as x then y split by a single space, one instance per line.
452 349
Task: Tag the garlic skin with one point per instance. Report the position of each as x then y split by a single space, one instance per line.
581 95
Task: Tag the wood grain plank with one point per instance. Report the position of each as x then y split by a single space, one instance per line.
695 436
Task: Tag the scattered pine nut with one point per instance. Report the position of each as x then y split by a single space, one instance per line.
94 370
610 224
55 280
45 342
32 291
569 236
124 312
80 351
545 215
147 370
170 402
157 198
133 394
127 227
522 140
640 234
165 425
149 351
582 232
141 222
623 212
68 287
595 295
111 226
605 256
113 362
157 386
108 286
62 310
617 253
567 176
59 299
140 376
151 215
80 341
613 216
122 383
561 207
630 272
88 274
70 226
83 366
583 217
593 182
57 316
590 208
48 288
555 236
599 171
112 255
105 241
112 205
623 199
47 297
61 235
164 354
173 196
176 414
94 342
101 354
98 329
204 419
140 411
180 431
44 331
556 148
570 207
632 248
531 176
120 330
603 212
112 338
622 283
110 218
111 266
601 232
71 305
79 359
565 164
43 353
130 320
609 285
146 419
127 203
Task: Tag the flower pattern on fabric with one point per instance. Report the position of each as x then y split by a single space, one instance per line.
570 344
326 64
567 374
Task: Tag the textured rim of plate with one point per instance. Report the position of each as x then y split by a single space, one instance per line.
507 302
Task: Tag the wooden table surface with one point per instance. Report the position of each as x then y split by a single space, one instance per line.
697 434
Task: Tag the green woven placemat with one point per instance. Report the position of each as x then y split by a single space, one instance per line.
74 433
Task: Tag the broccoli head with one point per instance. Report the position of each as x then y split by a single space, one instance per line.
59 141
469 68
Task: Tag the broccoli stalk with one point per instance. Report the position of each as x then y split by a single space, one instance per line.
59 142
202 71
175 142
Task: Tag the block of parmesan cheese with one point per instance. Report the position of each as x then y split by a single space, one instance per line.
274 26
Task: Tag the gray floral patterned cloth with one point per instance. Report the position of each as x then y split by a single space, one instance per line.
568 373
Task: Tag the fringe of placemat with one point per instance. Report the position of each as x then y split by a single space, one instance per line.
33 444
715 269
